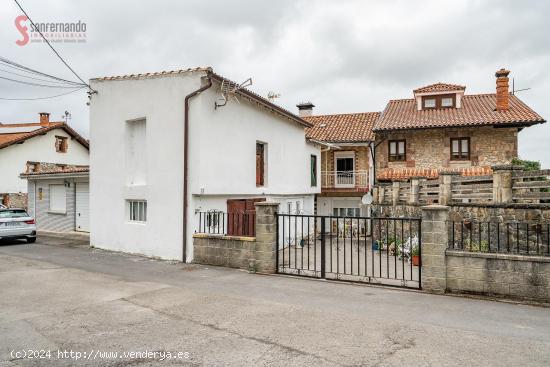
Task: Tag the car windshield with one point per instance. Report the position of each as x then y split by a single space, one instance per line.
13 213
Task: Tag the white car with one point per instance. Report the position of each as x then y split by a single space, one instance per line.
17 224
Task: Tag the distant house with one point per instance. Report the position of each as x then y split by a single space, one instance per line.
443 129
170 147
347 158
42 141
58 196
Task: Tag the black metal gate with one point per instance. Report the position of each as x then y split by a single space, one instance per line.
360 249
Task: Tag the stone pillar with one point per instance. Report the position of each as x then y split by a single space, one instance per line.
375 198
381 193
415 190
265 256
435 238
445 187
395 193
502 183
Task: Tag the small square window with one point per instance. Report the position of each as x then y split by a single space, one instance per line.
61 144
429 103
447 102
137 210
460 149
397 150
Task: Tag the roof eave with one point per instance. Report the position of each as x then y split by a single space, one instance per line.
495 125
265 103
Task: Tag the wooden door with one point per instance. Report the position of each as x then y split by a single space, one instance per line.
241 217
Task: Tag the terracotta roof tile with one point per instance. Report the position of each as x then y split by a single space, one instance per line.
439 87
10 139
392 174
42 168
151 75
340 128
476 110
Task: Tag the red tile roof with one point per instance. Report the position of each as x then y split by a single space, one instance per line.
42 168
476 110
7 139
392 174
341 128
440 87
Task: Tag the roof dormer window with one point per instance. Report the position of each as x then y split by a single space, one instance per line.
439 96
438 101
447 102
429 102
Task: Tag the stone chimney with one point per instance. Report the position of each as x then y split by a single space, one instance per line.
44 118
305 109
503 94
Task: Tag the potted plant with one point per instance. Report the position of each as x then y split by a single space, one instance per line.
415 254
375 245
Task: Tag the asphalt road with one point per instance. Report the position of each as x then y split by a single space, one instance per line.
63 297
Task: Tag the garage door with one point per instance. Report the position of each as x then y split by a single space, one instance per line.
83 207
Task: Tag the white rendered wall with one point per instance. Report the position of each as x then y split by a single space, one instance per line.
221 160
41 148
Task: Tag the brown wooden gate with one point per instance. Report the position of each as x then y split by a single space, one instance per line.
241 217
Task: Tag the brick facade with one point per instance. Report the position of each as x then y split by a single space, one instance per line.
361 158
430 148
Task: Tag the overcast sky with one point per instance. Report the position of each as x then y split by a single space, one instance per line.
344 56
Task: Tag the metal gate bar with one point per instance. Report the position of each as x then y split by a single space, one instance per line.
378 250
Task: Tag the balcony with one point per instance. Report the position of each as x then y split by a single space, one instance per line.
346 180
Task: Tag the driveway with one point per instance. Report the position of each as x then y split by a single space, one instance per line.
113 309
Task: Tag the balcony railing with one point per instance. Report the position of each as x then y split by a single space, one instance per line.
344 179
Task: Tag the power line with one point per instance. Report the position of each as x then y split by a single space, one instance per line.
53 49
38 84
34 99
30 77
19 67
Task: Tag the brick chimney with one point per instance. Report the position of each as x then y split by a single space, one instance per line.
44 118
503 95
305 109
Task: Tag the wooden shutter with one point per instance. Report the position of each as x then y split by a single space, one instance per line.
259 164
241 217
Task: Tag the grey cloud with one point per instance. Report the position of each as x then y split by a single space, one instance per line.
345 55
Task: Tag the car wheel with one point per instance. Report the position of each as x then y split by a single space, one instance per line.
31 239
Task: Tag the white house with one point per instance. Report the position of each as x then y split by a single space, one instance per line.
42 141
241 148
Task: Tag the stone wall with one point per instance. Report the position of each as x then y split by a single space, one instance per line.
229 251
490 273
499 274
11 200
474 212
256 254
431 148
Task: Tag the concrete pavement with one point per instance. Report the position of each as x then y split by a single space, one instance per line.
61 295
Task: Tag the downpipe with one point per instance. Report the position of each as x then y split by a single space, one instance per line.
186 158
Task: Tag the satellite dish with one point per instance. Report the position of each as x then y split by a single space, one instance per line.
367 199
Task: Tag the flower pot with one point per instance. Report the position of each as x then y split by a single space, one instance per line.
416 260
375 246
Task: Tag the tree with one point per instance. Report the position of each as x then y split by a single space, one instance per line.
526 165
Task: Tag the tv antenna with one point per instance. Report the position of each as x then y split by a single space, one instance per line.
228 91
272 96
66 117
514 90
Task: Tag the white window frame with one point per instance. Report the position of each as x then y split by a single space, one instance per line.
344 155
59 204
137 211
